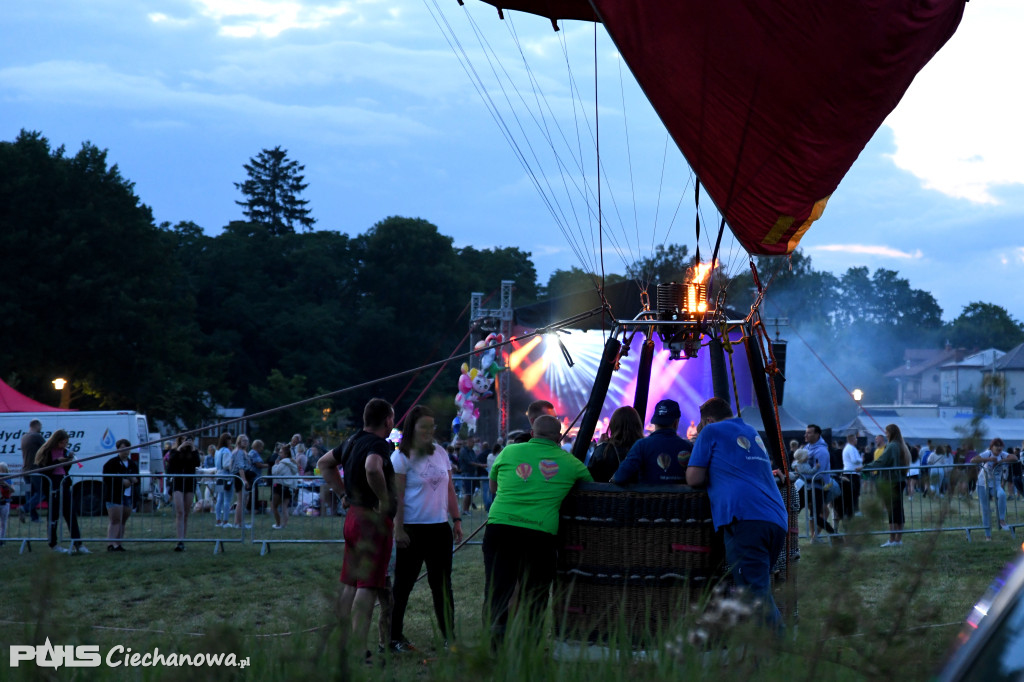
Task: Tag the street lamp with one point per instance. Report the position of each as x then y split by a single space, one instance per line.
65 392
857 395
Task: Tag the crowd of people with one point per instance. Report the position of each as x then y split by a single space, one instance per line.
221 481
900 472
405 511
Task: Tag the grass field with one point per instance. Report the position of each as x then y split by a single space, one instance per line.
864 612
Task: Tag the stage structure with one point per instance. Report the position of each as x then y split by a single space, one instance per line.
482 323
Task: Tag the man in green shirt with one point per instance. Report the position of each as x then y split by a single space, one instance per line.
529 481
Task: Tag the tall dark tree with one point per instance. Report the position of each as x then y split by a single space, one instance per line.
563 282
666 264
984 325
410 297
272 192
89 287
288 312
485 268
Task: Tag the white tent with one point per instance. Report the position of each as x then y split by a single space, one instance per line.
950 431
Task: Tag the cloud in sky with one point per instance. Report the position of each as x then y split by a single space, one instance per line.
269 18
868 250
100 86
370 97
957 128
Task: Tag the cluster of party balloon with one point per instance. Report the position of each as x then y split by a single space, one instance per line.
476 384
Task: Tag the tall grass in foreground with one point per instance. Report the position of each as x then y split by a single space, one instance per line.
864 613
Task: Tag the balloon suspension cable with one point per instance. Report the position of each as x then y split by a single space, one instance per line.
572 424
727 346
754 312
696 213
540 331
829 370
600 222
771 368
761 291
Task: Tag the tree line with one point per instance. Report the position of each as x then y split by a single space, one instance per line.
170 320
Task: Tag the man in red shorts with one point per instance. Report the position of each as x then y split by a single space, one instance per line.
369 484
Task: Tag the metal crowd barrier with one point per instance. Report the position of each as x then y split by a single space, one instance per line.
945 499
321 515
152 518
315 514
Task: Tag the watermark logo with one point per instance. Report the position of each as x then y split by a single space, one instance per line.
88 656
49 656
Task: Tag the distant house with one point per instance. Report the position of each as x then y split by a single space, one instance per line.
1009 390
918 379
961 379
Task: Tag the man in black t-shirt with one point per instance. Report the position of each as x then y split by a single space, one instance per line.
369 483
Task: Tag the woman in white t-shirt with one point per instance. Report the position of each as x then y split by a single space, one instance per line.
426 497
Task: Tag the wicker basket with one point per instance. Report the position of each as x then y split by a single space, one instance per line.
638 558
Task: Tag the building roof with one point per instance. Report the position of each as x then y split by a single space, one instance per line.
979 360
1014 359
918 360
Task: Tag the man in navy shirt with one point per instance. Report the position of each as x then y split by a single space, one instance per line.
660 458
729 458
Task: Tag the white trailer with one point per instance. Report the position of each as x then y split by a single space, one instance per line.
89 433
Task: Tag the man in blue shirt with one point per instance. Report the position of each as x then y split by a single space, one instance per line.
821 460
729 458
660 458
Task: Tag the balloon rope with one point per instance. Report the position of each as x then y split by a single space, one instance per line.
567 322
434 350
771 368
696 213
597 148
432 379
727 345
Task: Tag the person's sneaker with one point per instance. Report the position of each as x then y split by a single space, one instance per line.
61 550
82 549
248 526
277 527
1004 526
111 548
227 525
180 547
402 646
888 543
819 540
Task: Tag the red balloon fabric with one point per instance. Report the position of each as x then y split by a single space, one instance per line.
771 101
